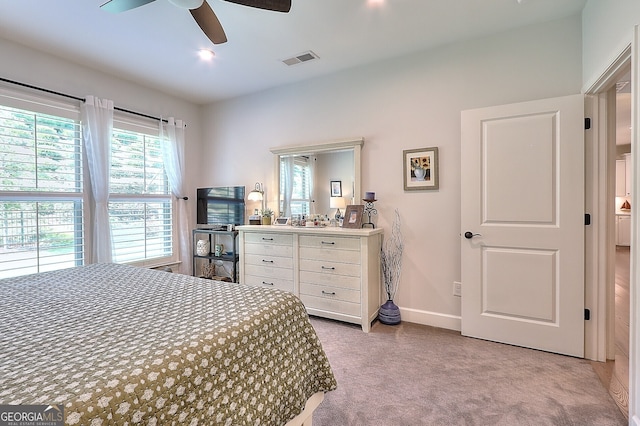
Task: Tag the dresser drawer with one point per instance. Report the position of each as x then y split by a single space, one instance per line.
269 272
330 267
330 242
341 281
266 260
330 293
328 304
281 284
330 254
268 238
268 250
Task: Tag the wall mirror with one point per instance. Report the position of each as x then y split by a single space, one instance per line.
306 176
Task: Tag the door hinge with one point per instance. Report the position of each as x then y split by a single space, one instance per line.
587 123
587 219
587 314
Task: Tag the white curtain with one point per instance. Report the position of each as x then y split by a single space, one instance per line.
312 178
287 177
173 143
97 128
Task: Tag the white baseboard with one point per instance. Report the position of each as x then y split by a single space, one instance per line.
434 319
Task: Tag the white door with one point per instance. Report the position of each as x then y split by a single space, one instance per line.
523 216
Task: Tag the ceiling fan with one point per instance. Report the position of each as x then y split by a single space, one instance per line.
204 16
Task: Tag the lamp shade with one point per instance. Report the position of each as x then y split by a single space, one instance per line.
337 203
255 196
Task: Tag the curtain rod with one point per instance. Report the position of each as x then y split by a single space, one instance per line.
64 95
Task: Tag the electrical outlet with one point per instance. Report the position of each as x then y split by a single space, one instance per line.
457 288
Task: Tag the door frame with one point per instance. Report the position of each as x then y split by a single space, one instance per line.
599 168
599 202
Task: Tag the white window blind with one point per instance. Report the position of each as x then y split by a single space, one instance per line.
141 204
300 198
41 195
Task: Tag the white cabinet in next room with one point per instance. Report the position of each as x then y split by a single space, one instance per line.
623 230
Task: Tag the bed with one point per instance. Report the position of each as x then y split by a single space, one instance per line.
116 344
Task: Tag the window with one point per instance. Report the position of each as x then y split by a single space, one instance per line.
141 204
41 197
300 197
42 201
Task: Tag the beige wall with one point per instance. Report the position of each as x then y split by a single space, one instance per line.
409 102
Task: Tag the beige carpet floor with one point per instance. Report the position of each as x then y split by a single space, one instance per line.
411 374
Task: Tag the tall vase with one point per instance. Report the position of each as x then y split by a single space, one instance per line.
389 313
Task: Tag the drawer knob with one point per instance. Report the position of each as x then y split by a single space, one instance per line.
329 293
331 268
328 242
267 261
266 283
267 239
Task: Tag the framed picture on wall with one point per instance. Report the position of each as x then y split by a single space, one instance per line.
420 169
353 216
336 188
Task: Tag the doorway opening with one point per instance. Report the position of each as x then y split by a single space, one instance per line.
614 127
619 384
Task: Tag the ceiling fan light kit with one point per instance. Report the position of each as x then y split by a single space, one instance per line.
187 4
206 54
202 13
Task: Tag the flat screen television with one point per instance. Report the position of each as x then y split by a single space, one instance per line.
220 206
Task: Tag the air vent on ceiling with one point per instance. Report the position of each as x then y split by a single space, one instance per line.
303 57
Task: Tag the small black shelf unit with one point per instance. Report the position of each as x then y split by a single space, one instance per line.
230 253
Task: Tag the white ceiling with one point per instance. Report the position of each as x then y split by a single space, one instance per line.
156 44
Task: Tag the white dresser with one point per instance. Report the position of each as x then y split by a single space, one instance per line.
334 271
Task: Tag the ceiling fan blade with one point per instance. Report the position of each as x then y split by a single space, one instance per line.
209 23
275 5
117 6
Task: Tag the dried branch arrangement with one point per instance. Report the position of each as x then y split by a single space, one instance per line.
391 258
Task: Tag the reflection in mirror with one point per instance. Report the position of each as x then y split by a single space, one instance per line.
304 175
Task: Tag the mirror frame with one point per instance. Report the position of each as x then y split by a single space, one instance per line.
325 147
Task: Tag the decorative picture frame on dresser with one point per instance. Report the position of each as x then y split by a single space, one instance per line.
282 221
353 216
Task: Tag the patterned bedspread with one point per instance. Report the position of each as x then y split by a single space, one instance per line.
122 345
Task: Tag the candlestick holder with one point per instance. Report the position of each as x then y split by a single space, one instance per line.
369 209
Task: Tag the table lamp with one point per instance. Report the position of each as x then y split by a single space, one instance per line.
337 203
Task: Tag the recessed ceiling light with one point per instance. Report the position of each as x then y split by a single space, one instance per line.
375 3
206 54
